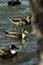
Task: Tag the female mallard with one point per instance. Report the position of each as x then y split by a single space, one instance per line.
16 35
5 54
20 22
14 2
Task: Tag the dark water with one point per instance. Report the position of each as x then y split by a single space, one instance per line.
27 48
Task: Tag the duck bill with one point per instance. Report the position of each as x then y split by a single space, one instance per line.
26 31
16 47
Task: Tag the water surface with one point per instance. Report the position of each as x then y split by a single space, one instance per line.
27 48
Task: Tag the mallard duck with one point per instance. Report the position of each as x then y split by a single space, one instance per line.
16 35
20 22
14 2
8 53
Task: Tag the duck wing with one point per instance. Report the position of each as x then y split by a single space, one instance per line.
14 20
23 21
13 33
4 52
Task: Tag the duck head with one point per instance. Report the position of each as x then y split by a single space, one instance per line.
12 47
29 18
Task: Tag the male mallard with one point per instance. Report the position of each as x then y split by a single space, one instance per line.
8 53
16 35
14 2
20 21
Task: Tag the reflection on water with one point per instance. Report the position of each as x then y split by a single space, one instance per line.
23 41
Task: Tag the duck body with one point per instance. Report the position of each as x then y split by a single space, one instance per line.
5 54
15 35
13 3
20 22
8 53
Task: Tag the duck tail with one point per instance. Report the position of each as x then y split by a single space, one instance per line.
6 32
10 20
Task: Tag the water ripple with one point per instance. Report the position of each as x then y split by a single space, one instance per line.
5 4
